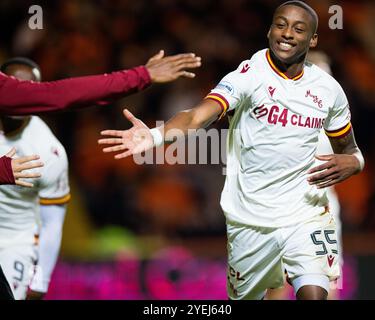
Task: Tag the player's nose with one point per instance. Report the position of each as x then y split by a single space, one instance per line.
287 34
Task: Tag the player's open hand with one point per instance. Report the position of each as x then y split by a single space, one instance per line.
337 168
21 164
128 142
165 69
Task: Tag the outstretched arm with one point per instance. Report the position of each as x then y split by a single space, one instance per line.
27 97
166 69
140 138
346 161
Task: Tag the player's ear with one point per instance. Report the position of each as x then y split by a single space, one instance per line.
268 33
314 40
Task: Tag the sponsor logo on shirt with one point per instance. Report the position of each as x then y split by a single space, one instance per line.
276 115
225 86
271 90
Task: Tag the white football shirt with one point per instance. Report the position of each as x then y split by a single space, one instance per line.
273 138
19 206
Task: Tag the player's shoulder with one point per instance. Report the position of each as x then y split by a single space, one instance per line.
322 76
38 127
244 73
332 87
242 80
254 62
44 140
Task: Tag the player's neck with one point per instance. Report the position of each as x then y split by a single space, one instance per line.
290 70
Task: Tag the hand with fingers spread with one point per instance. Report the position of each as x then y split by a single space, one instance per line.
19 165
128 142
337 168
165 69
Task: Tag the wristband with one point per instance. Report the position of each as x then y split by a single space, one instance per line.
361 160
157 137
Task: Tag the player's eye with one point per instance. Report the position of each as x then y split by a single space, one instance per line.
299 30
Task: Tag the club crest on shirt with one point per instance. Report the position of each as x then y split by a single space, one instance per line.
315 98
55 151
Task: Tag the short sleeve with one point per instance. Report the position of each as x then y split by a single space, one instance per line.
235 86
54 185
337 124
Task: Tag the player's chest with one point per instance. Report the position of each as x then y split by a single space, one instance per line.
24 147
286 104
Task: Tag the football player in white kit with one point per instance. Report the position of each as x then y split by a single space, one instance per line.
31 219
274 197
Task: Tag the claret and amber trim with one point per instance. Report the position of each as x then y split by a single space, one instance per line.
61 200
339 133
277 70
222 101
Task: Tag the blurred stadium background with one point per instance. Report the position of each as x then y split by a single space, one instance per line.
157 232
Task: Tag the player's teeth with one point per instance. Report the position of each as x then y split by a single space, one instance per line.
285 45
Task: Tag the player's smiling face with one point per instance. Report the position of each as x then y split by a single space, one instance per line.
292 33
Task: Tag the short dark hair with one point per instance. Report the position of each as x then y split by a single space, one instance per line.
304 6
23 61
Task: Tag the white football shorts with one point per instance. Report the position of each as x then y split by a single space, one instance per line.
258 257
18 264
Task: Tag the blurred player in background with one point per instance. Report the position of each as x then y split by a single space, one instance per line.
31 219
27 97
274 197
